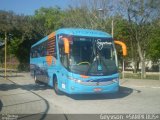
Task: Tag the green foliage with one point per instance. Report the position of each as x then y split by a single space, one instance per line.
50 19
154 45
6 23
23 31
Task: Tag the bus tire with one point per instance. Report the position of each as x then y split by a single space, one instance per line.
35 78
55 85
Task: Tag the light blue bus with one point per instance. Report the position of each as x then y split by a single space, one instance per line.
76 61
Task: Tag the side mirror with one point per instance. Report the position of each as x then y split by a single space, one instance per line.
66 45
123 45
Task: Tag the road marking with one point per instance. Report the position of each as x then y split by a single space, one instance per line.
146 87
155 87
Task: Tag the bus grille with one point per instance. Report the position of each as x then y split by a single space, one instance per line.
97 83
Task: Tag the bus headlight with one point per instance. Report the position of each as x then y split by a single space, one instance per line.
78 81
74 79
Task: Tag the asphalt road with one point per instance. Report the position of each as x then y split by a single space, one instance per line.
20 95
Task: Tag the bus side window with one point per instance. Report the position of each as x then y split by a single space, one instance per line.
51 47
43 53
36 54
31 53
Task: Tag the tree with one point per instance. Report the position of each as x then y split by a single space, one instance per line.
153 52
91 14
48 19
6 28
140 14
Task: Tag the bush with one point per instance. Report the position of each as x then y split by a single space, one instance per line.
23 67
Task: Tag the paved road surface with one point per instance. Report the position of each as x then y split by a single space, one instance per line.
19 95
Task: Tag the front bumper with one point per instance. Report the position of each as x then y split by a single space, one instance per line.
76 88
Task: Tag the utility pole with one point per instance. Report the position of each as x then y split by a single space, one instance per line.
5 61
159 69
112 32
112 29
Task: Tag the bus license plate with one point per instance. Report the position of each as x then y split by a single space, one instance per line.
97 89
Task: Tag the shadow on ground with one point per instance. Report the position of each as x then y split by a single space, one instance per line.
9 76
31 88
1 105
28 87
123 92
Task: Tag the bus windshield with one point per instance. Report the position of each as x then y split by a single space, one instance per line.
91 56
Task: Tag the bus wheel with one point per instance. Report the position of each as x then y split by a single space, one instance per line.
35 78
55 85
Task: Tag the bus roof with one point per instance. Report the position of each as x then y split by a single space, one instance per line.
77 32
82 32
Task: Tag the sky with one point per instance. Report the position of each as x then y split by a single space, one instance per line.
27 7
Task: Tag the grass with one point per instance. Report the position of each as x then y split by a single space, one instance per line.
10 66
138 76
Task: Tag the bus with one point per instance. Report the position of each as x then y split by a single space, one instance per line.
76 61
